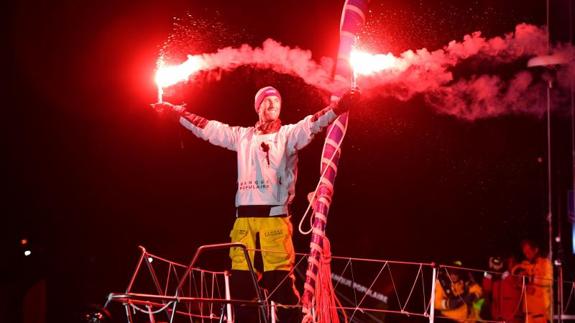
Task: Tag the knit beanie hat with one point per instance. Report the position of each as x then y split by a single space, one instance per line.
263 93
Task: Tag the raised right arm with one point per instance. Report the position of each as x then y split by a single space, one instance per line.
215 132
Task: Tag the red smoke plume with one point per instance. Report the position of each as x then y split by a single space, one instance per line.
428 73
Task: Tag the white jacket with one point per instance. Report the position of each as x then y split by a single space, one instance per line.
267 163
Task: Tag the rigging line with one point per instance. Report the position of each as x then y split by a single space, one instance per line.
155 257
192 282
154 277
487 271
152 303
134 306
406 313
423 289
288 306
189 304
193 315
218 289
208 271
341 275
212 295
177 291
394 288
173 263
137 271
428 306
219 294
202 294
353 280
470 269
570 297
173 314
365 294
221 291
522 298
412 288
202 287
285 277
189 289
321 178
385 261
378 310
176 276
362 259
165 260
168 280
366 311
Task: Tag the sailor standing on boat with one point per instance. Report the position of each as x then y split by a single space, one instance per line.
267 155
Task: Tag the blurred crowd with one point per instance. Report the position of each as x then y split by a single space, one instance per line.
512 290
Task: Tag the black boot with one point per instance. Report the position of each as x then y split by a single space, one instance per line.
280 287
242 288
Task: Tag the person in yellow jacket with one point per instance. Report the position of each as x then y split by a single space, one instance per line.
537 272
456 295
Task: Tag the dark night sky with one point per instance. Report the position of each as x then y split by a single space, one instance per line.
90 172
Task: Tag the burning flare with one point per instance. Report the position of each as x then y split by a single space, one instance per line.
364 63
168 75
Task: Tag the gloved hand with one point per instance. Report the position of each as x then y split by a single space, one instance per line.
349 100
453 302
167 106
470 298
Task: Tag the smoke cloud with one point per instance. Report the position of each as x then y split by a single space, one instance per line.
477 92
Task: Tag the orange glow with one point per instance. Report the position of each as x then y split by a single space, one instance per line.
364 63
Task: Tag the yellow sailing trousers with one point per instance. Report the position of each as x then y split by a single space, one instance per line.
275 234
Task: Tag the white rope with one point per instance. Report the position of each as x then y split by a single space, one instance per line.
393 284
191 282
212 293
202 275
365 295
524 296
161 309
286 277
168 279
412 287
569 298
423 290
523 290
342 272
353 279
